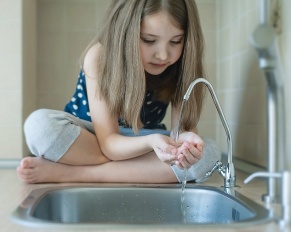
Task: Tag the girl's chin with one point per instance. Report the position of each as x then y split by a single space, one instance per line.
154 72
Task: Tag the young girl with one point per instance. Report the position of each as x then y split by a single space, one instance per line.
145 56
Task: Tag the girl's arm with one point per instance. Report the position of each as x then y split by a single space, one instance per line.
112 144
191 145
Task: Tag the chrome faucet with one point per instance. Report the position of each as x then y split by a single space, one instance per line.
263 40
228 171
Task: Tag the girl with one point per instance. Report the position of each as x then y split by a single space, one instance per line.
144 57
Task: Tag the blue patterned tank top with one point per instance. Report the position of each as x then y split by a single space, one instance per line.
152 112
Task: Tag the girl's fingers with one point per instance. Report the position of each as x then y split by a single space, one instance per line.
191 153
179 165
199 144
192 138
188 155
183 161
165 156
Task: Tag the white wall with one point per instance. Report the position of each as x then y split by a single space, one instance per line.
11 139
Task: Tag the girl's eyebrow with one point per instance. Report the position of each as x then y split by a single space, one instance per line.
178 35
143 34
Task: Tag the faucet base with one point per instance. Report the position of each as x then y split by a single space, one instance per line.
270 199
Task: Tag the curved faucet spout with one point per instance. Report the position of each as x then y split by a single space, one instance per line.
219 110
228 172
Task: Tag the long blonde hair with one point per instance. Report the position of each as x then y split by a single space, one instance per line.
121 76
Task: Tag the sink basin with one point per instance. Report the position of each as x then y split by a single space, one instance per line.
137 206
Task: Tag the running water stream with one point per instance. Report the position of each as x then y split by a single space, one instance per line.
183 207
184 182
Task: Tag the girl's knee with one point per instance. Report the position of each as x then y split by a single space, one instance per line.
43 128
49 133
36 121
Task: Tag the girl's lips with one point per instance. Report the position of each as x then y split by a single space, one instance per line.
158 65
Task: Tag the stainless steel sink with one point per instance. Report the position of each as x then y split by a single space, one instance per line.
136 206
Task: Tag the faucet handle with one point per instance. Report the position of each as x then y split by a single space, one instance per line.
267 198
286 192
218 165
262 174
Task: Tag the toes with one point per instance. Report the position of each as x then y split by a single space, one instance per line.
25 171
27 179
27 162
22 174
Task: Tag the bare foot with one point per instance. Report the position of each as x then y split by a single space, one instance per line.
36 170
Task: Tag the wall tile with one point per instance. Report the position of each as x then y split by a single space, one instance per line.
51 48
10 10
81 16
206 129
210 48
56 101
210 72
64 31
207 9
76 44
10 39
51 16
10 67
11 142
209 113
11 78
11 107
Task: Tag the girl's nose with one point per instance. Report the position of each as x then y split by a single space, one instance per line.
161 53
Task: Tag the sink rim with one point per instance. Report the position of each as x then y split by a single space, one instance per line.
23 213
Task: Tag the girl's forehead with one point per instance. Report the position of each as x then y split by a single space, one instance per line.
158 23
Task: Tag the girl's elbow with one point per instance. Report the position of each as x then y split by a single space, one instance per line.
109 147
111 156
109 153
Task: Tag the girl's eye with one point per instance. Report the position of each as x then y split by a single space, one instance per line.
148 41
176 42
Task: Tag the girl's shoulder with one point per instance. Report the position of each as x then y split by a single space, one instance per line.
90 65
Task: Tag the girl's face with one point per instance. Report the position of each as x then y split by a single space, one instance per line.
161 43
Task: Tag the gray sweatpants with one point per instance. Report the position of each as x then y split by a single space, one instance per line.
50 133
